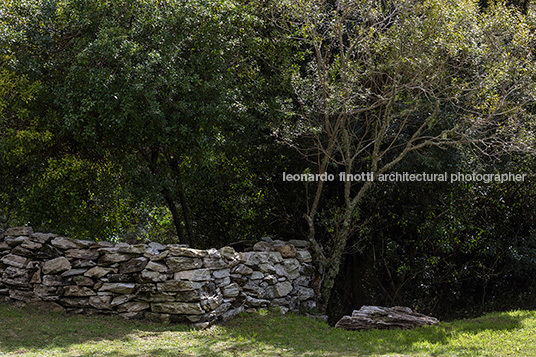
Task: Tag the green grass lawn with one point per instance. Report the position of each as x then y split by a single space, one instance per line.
27 332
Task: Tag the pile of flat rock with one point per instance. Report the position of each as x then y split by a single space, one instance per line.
379 317
153 281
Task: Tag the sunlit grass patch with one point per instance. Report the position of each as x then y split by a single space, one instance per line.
28 332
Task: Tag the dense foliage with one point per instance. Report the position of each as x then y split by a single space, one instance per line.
175 121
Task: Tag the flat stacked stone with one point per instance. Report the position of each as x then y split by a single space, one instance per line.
153 281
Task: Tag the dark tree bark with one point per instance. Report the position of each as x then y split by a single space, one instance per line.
186 215
175 213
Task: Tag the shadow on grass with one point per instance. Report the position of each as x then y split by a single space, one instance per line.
29 329
259 334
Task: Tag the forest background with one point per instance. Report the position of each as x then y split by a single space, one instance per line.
174 121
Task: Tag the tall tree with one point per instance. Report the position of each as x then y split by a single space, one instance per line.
148 85
383 79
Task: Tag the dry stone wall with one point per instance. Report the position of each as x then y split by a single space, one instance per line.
152 281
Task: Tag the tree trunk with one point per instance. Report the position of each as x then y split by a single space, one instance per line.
175 167
175 213
333 268
186 215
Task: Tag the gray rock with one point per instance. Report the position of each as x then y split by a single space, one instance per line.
66 243
275 257
11 241
178 308
131 249
156 257
220 274
270 279
156 297
109 249
268 293
87 254
177 285
305 293
262 247
267 268
256 275
121 278
156 246
282 288
120 288
256 302
220 310
186 252
16 276
78 291
78 302
194 275
159 267
57 265
52 280
101 302
292 267
109 259
28 244
122 299
254 258
158 318
253 288
22 252
146 288
46 293
48 252
242 270
280 270
283 309
210 303
280 302
98 272
183 263
187 296
304 256
215 263
229 253
73 272
134 306
81 263
15 261
83 281
101 244
152 276
4 246
213 253
42 237
232 313
223 282
377 317
133 265
21 295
